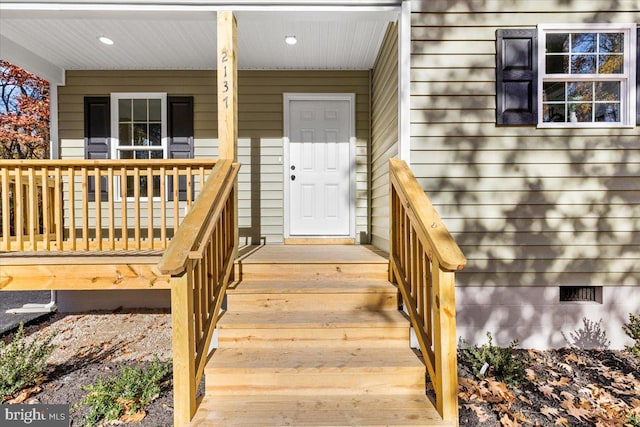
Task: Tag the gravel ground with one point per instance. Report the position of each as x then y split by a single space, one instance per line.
98 344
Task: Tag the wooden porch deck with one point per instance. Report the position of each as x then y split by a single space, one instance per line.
312 336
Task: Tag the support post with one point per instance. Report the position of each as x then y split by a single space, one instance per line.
184 389
227 87
444 330
228 105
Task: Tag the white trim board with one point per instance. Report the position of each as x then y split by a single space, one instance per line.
351 98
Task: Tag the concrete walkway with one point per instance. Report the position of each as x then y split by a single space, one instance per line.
10 300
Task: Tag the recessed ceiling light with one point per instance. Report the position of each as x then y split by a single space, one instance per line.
105 40
290 40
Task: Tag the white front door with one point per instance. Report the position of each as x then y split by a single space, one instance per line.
320 165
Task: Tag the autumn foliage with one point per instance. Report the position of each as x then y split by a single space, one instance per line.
24 114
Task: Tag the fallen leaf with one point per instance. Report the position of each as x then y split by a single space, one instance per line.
571 357
525 400
562 421
549 412
531 374
576 412
505 421
480 413
134 418
548 392
561 382
24 395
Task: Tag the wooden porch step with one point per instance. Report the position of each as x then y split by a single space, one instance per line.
313 371
357 328
311 271
320 410
288 295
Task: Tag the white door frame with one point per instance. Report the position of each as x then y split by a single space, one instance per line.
351 98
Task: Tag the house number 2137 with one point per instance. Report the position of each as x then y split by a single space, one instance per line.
225 82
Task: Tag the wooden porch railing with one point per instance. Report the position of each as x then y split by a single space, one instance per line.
201 259
95 204
423 258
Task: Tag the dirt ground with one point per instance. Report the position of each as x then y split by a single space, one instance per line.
567 387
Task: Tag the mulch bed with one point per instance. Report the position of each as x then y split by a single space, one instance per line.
566 387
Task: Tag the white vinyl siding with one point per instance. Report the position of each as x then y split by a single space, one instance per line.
384 134
260 143
529 207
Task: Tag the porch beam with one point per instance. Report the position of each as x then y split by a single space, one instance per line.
227 87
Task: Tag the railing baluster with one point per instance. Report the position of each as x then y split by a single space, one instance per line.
85 208
32 212
18 210
98 207
72 208
150 207
176 201
44 175
58 206
189 187
136 206
163 210
112 219
6 211
124 226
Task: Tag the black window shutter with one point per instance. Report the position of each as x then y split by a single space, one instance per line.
97 133
180 133
516 76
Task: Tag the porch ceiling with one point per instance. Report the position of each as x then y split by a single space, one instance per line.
68 39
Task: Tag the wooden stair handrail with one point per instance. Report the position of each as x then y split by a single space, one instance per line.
425 217
423 259
204 211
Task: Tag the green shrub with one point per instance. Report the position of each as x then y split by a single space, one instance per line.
632 329
633 420
22 364
124 394
503 363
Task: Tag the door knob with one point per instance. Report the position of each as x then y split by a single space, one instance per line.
293 167
293 177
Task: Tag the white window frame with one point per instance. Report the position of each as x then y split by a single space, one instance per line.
115 141
627 79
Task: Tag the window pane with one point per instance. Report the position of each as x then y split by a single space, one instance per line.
557 43
142 154
157 154
553 91
554 112
557 64
126 155
610 64
579 91
611 42
607 91
124 134
155 134
580 112
140 110
154 110
583 64
124 110
607 112
583 42
140 136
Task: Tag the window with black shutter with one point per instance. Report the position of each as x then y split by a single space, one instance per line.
569 75
138 126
